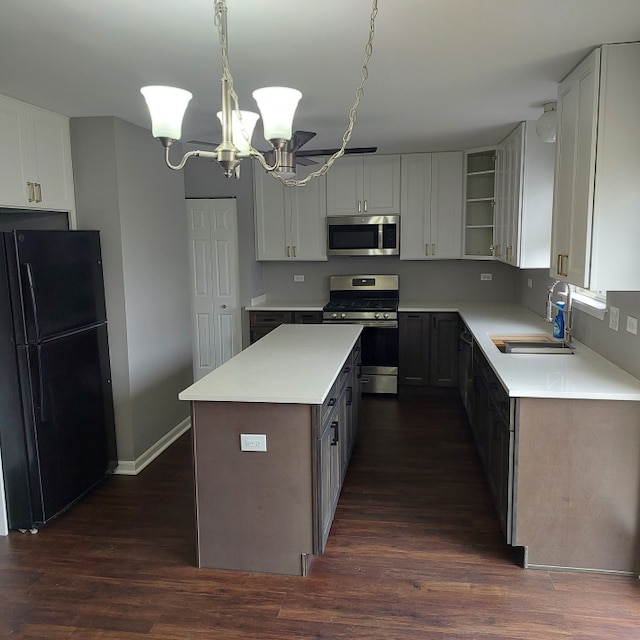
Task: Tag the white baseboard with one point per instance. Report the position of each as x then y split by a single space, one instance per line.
134 467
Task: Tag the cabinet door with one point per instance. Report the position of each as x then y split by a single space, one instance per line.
415 225
51 159
272 222
443 363
14 168
308 206
413 369
508 196
381 175
324 454
575 166
446 204
344 187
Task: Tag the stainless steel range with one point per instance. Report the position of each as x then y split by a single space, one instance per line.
371 301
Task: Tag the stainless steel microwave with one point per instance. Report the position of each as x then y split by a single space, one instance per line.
363 235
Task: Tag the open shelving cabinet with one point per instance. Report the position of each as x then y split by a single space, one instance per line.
480 167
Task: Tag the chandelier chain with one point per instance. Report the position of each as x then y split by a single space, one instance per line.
221 23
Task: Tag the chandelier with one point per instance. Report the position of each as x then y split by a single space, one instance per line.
277 105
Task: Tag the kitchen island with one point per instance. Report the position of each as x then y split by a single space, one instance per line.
273 430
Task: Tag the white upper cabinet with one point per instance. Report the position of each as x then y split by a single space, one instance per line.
596 225
35 158
431 206
367 185
523 199
479 199
290 221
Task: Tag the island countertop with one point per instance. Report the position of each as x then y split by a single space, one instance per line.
294 363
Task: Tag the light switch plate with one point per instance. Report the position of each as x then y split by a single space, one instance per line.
298 278
614 318
486 276
632 325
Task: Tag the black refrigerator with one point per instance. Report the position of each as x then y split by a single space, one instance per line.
57 433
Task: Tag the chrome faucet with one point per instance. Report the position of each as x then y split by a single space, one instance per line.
568 326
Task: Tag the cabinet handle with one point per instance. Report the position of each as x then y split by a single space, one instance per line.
492 250
359 206
32 191
509 254
365 206
497 251
349 396
433 249
294 251
559 264
426 249
336 436
332 402
39 192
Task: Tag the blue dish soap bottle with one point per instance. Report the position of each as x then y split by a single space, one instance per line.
558 323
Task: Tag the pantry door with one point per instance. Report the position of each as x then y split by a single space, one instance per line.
213 257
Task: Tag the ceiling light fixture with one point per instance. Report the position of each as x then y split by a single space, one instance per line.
167 106
547 123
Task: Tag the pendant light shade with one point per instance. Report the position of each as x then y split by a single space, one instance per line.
245 122
547 123
166 107
277 107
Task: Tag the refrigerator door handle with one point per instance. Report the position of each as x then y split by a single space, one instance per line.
41 394
32 295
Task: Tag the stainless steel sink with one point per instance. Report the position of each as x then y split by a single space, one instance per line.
539 347
531 343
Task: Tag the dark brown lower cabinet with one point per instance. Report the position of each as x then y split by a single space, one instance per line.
261 322
428 349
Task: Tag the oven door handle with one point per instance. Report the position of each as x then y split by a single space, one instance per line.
378 324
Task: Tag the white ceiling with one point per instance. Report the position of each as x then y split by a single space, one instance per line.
445 74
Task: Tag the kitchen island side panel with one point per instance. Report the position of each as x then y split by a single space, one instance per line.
254 510
577 496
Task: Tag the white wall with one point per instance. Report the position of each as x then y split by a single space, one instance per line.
124 189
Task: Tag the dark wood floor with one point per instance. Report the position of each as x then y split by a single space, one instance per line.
415 553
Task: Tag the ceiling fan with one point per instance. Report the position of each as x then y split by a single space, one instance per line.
290 155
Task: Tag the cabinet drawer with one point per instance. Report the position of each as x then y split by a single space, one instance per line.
307 317
269 318
345 373
329 404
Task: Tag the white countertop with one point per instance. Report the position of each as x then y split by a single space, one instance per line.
583 375
287 305
294 363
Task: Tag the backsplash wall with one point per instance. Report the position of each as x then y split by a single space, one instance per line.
438 280
620 347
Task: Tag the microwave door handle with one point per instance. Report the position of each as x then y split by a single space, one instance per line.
380 236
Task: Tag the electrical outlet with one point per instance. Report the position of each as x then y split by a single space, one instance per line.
253 442
632 325
530 283
486 276
298 278
614 318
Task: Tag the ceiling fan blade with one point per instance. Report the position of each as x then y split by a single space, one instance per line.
305 162
298 139
348 150
203 143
